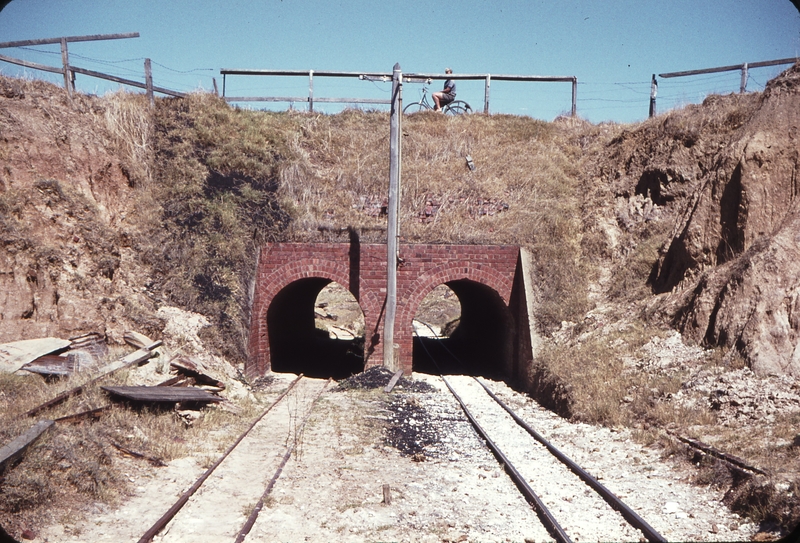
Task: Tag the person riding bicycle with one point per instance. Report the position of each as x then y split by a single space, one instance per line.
447 95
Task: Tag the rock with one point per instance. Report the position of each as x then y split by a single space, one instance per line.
670 508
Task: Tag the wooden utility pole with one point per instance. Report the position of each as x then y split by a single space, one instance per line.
392 230
653 93
486 93
743 83
311 91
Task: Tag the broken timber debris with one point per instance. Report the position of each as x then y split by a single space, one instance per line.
135 339
92 345
137 357
51 364
163 394
13 451
93 413
157 462
716 453
190 369
393 381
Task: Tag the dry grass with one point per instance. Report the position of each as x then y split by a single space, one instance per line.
604 390
76 463
130 123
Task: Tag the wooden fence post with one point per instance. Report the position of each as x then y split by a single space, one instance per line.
486 93
148 82
574 96
310 91
743 84
653 93
69 79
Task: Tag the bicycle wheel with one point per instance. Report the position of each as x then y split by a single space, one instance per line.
457 108
414 107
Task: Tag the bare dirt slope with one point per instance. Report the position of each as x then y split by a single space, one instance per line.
66 204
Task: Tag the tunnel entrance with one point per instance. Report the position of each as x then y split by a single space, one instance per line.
482 342
316 327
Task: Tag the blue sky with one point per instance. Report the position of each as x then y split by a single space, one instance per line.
612 47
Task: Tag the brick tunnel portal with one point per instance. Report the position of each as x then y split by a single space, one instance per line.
481 345
298 346
492 338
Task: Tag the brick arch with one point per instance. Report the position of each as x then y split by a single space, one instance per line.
498 340
425 283
266 290
361 268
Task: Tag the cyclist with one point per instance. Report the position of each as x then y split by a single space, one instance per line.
447 95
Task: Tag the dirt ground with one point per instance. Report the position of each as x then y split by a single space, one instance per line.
445 485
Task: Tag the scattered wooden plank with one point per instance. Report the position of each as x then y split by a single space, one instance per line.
92 345
163 394
16 354
136 339
393 381
13 451
157 462
716 453
136 357
173 382
189 368
93 413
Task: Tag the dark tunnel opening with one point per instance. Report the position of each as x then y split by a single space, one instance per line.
481 345
297 345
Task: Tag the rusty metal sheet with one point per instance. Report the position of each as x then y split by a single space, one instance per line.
51 364
16 354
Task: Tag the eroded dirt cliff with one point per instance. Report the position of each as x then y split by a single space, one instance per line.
722 179
67 214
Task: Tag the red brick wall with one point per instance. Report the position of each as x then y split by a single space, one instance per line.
423 268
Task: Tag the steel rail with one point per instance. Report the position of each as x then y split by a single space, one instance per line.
251 520
628 514
166 517
612 499
550 523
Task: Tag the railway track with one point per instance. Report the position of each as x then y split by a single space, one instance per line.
578 507
223 504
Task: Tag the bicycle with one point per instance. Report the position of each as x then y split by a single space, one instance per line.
456 107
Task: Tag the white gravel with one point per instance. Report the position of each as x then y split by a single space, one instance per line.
453 490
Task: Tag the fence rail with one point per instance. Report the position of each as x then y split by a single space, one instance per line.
69 71
744 67
488 78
